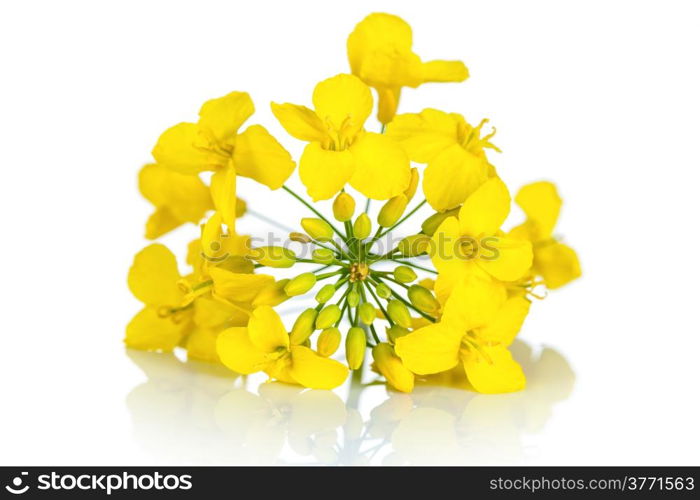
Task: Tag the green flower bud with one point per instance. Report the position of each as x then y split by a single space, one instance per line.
271 295
398 312
300 284
362 227
416 244
367 313
395 332
423 299
318 229
273 256
303 326
405 274
299 237
353 298
383 291
325 294
327 317
431 224
392 210
328 342
355 346
323 255
343 207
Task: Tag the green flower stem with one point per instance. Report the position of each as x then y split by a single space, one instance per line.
310 207
411 264
388 277
364 299
203 284
379 303
328 275
408 304
404 218
340 250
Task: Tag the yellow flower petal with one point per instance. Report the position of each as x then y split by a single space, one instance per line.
223 193
148 331
221 118
423 135
382 169
179 148
392 368
238 353
300 121
474 302
343 102
201 345
486 209
388 98
495 375
154 275
444 71
557 263
506 259
451 176
431 349
541 204
161 222
323 172
238 287
314 371
503 328
259 156
186 196
210 313
266 330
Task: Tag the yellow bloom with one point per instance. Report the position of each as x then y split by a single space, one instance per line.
556 262
479 323
453 149
265 346
392 368
471 243
163 322
213 143
380 53
339 149
177 198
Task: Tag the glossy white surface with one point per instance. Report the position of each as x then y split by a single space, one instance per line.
600 97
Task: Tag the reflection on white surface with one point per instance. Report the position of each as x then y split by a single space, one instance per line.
189 412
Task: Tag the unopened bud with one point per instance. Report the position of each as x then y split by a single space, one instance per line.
353 298
367 313
303 327
428 283
325 294
398 312
355 345
323 256
299 237
362 226
271 295
318 229
343 207
383 291
328 342
327 317
404 274
414 245
392 210
395 332
431 224
423 299
413 185
273 256
300 284
390 365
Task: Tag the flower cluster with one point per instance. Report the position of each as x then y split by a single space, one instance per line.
461 313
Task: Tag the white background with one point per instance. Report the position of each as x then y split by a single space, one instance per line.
601 97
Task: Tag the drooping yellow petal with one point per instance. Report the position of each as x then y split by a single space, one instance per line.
493 371
506 259
486 209
154 275
201 345
223 193
474 302
382 169
238 353
451 176
150 332
238 287
186 196
390 365
388 98
443 252
541 203
210 313
259 156
444 71
557 263
423 135
343 102
161 222
266 330
222 117
431 349
300 121
506 324
314 371
323 172
180 148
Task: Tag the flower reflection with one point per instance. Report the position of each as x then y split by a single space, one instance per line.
191 412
